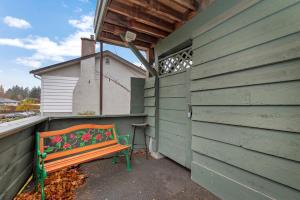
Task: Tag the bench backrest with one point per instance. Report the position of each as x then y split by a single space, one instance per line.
76 139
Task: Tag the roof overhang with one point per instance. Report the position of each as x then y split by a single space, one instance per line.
57 66
150 20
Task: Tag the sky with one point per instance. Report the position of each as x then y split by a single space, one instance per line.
35 33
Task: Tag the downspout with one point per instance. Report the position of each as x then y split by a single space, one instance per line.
101 77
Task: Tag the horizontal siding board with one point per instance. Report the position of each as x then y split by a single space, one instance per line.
13 154
279 72
221 179
150 111
173 116
58 88
276 143
169 146
279 50
59 110
54 103
173 91
150 92
149 101
275 26
150 131
59 83
57 93
62 78
173 128
172 103
58 97
234 9
280 170
149 83
174 79
63 107
150 121
14 170
16 185
222 186
287 93
252 14
285 118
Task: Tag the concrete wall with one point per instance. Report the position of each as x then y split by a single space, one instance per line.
245 98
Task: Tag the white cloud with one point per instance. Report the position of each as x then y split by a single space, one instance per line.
84 24
29 62
46 49
16 22
1 71
78 10
11 42
84 1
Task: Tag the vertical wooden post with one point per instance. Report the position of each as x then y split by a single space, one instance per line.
150 55
101 77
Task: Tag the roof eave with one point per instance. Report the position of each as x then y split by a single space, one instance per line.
100 12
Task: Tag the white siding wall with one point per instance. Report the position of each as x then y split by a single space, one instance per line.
57 94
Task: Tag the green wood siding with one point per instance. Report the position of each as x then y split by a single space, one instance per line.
245 93
137 95
246 96
17 153
174 134
149 103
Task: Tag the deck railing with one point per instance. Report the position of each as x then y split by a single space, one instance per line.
17 143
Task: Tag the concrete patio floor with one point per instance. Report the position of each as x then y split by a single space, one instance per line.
149 180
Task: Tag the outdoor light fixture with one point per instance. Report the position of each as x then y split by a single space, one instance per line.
129 36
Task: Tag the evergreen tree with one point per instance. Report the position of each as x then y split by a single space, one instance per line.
35 93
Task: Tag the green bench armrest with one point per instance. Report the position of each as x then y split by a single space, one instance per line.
124 138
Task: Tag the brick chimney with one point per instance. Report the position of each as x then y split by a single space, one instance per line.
88 46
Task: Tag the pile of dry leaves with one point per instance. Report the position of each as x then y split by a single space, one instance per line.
59 185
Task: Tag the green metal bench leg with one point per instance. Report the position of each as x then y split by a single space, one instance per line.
115 158
42 190
128 160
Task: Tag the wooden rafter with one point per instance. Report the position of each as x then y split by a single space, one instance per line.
117 30
113 39
116 19
140 16
154 7
190 4
173 5
150 20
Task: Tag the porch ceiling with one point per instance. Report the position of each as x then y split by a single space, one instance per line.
151 20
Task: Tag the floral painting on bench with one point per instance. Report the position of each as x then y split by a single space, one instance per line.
77 138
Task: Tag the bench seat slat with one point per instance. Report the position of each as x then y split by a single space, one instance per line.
79 149
84 157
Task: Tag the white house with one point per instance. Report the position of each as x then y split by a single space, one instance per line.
73 87
8 102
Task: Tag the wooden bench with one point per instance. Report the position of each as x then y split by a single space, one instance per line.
77 144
